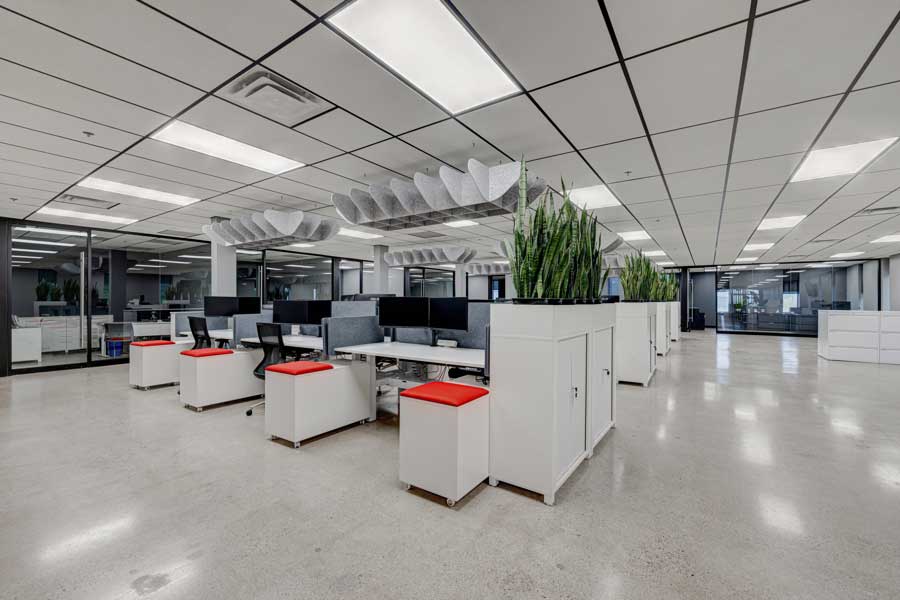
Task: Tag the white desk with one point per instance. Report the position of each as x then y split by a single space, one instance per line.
309 342
434 355
216 334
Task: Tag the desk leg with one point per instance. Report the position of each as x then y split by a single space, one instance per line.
373 388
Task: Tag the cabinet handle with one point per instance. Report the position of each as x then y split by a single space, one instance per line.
606 371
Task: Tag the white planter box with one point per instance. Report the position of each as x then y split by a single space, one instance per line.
552 391
635 341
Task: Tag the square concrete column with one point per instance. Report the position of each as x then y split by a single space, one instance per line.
381 270
224 270
460 282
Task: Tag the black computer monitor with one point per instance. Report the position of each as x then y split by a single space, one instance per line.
403 312
220 306
290 311
248 305
318 310
448 313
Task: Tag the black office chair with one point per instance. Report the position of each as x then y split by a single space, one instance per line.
200 333
274 352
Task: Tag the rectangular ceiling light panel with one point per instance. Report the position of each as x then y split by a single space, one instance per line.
22 240
888 239
780 222
846 254
589 198
654 253
362 235
73 214
634 236
184 135
746 259
462 223
841 160
751 247
423 42
134 191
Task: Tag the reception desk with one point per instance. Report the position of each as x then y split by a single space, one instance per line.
860 335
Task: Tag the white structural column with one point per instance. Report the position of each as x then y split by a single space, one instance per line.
381 269
224 270
460 282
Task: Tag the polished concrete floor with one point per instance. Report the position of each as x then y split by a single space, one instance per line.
749 468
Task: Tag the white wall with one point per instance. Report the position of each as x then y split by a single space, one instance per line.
479 288
870 285
894 262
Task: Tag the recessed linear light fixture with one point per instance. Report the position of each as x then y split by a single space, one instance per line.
666 263
732 273
738 267
752 247
780 222
273 269
840 160
634 236
302 245
33 251
26 257
195 256
124 189
239 251
782 276
501 262
589 198
170 262
746 259
888 239
184 135
52 231
446 266
74 214
302 266
362 235
654 253
846 254
151 266
425 43
462 223
770 265
21 240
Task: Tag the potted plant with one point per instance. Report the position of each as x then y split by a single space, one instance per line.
639 279
555 255
55 292
70 291
42 290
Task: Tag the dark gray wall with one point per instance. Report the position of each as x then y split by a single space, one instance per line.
705 295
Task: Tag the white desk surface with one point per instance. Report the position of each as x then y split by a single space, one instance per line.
216 334
310 342
438 355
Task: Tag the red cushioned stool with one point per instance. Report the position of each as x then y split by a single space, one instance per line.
444 432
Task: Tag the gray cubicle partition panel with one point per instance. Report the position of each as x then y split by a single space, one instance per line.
245 325
349 331
473 337
181 320
357 308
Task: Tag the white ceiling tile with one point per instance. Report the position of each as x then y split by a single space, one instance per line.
569 168
452 142
624 160
815 189
25 195
362 171
689 83
226 119
593 109
322 179
42 159
136 164
864 183
518 128
866 115
340 128
38 47
45 142
635 191
646 210
536 56
697 182
642 25
31 183
887 161
185 55
249 27
694 147
400 157
351 79
297 189
781 131
811 50
320 7
751 197
195 161
698 204
276 198
41 173
762 172
883 67
145 181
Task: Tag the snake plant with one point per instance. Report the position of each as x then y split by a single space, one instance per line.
555 252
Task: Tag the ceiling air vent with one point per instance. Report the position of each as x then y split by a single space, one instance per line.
90 202
426 235
881 211
272 96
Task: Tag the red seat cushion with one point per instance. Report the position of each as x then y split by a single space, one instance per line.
299 367
443 392
153 343
202 352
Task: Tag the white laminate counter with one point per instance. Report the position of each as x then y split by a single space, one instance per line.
860 335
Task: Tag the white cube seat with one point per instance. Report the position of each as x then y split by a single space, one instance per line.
444 444
212 376
305 399
154 362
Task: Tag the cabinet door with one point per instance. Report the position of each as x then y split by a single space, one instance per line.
601 394
653 342
570 402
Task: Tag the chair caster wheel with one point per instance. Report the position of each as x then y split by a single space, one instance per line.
363 421
249 413
451 503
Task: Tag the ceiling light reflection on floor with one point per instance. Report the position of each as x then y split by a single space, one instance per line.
88 538
755 448
888 474
780 514
745 413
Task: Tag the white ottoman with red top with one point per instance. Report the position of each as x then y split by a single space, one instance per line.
154 362
305 399
444 444
215 375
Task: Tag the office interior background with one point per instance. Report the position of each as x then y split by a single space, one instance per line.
739 155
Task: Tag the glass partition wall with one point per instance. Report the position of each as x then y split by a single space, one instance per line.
293 276
786 299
